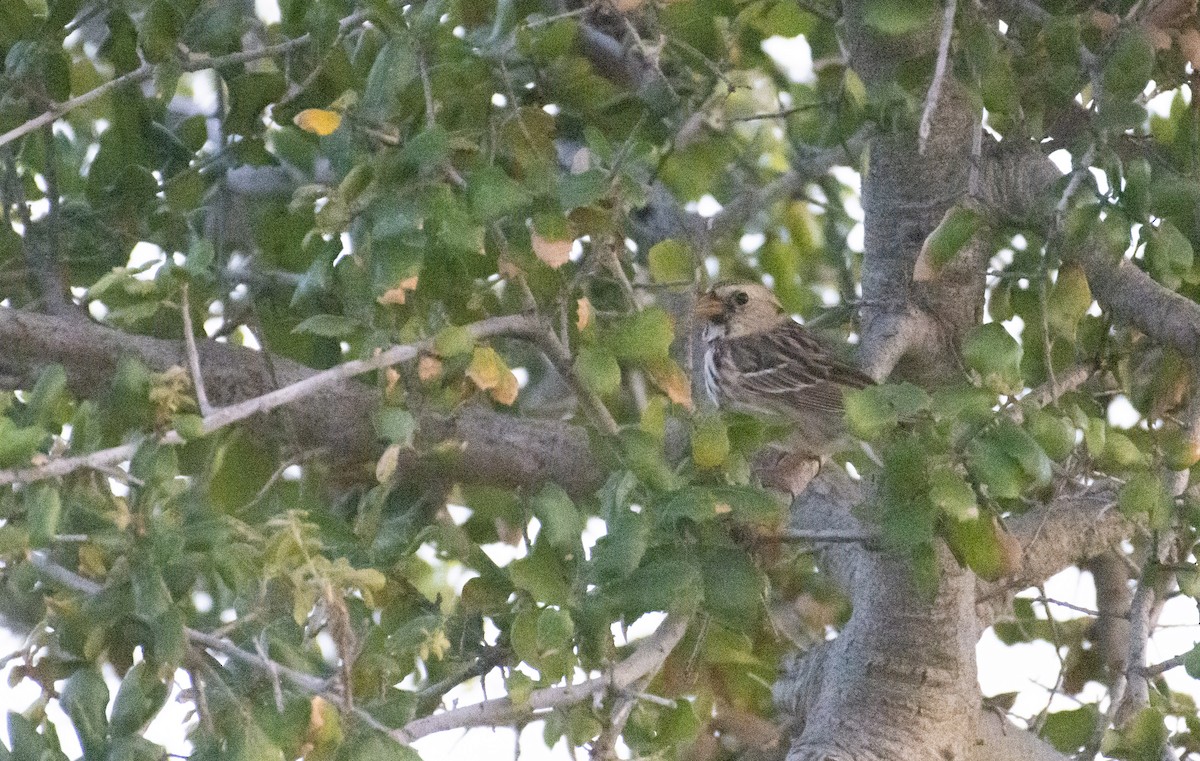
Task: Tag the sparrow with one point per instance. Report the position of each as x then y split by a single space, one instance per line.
759 361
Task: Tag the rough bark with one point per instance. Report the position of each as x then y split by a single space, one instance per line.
492 447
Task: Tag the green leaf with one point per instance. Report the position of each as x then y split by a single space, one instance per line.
1130 64
1144 494
664 583
1024 450
370 745
427 148
139 698
453 341
975 543
948 238
598 369
748 505
395 68
562 522
328 326
1191 662
85 700
1054 434
642 454
396 425
160 30
951 494
1169 254
619 552
519 687
995 470
641 338
1068 301
18 445
542 574
733 587
671 262
1141 739
996 356
575 190
49 401
494 194
43 510
899 16
710 442
875 410
1068 731
249 94
151 598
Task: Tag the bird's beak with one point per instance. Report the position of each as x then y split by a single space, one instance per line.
708 306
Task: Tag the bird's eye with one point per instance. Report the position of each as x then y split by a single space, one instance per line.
741 298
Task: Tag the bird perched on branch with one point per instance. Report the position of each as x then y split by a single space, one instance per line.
759 361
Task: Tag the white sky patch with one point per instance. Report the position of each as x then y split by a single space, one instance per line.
706 207
1061 159
522 376
751 242
1121 412
856 238
1160 105
268 11
793 55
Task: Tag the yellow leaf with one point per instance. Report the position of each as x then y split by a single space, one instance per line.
318 121
673 381
585 312
387 463
506 390
488 371
391 378
398 294
435 644
553 252
428 368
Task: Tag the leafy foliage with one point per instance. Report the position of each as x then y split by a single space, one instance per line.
370 174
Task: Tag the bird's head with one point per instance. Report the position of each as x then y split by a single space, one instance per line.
738 309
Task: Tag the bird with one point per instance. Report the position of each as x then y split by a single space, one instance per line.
760 361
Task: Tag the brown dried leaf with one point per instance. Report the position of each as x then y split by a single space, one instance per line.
585 313
555 253
399 293
428 368
488 371
673 381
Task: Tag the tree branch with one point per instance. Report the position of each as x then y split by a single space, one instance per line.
939 75
645 660
337 419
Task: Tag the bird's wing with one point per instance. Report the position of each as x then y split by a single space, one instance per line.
791 365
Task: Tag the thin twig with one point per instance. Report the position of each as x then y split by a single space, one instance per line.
939 76
828 536
146 71
193 355
307 683
427 86
645 660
